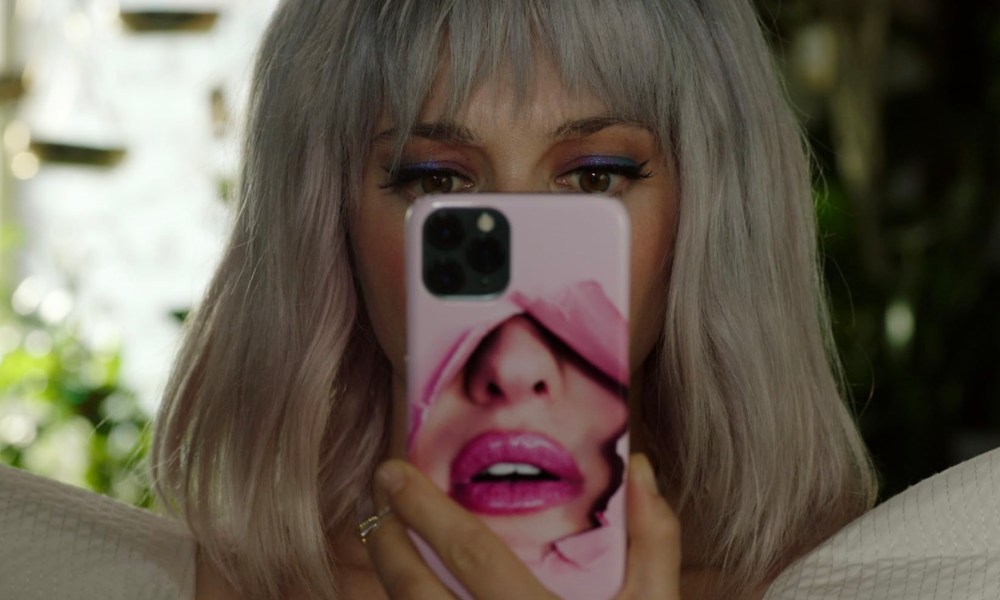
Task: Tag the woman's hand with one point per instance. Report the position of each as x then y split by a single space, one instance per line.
485 565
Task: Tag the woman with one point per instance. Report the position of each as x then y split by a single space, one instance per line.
288 392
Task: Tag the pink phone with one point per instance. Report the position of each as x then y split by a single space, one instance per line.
517 374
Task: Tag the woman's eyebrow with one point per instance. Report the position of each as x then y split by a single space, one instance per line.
590 125
453 133
438 131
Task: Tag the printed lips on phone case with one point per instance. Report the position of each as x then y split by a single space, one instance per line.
504 472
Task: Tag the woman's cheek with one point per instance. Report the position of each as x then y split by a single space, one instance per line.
653 214
381 267
604 412
438 440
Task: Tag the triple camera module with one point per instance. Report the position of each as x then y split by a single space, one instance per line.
466 252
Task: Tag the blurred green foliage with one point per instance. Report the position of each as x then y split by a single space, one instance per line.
64 414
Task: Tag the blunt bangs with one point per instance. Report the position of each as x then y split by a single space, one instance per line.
614 50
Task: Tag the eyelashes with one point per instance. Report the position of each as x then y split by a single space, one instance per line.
618 165
428 178
604 175
610 175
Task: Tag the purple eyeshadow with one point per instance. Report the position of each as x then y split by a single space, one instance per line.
603 161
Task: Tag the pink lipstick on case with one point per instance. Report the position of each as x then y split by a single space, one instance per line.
510 472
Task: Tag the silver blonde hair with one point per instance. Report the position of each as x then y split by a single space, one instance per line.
276 414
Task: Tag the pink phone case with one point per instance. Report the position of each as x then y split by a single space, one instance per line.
517 402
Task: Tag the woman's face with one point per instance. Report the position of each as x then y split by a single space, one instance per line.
555 142
526 430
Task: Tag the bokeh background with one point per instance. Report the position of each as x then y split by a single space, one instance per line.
120 130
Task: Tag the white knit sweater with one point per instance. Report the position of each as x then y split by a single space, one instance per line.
58 542
939 540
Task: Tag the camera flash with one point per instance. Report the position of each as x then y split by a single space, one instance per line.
485 223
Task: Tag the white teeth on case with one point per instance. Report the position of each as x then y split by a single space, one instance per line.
508 469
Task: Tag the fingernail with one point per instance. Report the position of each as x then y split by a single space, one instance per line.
642 473
390 477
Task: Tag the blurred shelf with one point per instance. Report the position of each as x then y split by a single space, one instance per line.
157 21
77 154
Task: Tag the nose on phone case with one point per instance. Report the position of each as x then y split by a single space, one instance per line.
517 375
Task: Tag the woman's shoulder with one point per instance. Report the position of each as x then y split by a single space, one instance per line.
938 539
57 541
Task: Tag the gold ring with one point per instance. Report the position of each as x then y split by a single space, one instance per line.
369 525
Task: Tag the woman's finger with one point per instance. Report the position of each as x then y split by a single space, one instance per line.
404 574
654 538
477 558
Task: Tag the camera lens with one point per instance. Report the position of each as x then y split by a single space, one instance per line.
444 231
486 255
444 277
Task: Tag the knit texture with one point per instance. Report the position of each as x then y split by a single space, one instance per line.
60 542
938 540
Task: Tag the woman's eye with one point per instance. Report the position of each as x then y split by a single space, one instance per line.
592 181
611 178
437 183
418 181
